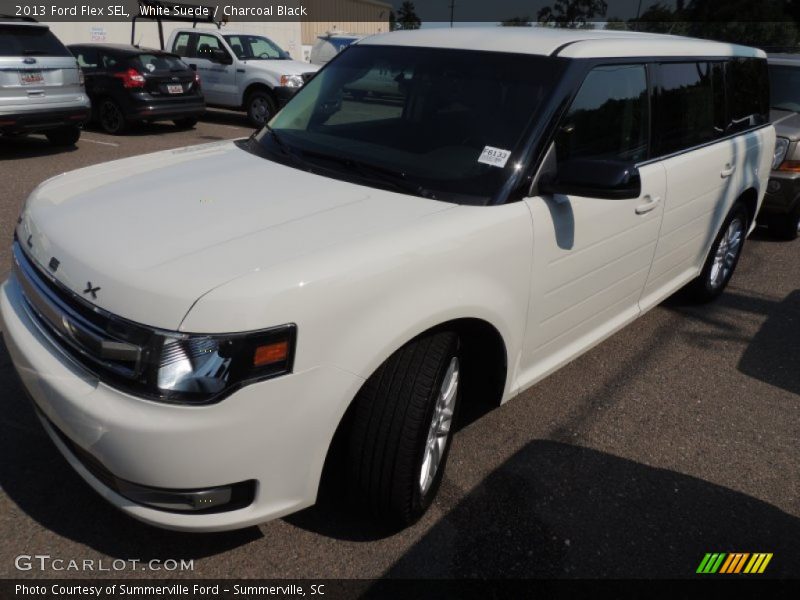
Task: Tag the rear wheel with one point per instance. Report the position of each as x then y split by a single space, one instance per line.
111 118
260 108
786 227
722 258
185 123
64 136
402 428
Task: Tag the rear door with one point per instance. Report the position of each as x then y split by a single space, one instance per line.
591 256
36 69
701 170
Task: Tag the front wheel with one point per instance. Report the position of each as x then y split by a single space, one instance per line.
260 108
64 136
722 258
402 428
786 227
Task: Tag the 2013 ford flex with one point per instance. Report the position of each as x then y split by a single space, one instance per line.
195 325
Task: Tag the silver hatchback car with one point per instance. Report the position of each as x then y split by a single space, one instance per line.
41 86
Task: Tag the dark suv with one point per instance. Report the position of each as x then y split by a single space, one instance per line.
128 84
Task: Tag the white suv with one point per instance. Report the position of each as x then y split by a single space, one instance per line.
241 70
368 263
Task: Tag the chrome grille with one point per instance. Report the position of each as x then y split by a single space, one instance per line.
58 313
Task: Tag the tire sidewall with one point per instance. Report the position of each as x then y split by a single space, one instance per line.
250 112
739 211
419 501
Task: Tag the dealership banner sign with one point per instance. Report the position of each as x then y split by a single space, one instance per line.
571 13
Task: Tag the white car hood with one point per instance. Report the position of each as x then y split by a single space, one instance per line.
156 232
282 67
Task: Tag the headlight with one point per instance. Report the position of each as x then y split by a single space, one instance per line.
198 369
781 147
292 81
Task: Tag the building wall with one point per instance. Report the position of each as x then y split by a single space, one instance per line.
357 16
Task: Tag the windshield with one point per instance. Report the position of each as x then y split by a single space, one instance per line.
784 87
449 122
255 47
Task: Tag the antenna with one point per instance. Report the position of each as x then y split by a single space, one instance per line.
452 11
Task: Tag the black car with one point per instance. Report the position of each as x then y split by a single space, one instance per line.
128 84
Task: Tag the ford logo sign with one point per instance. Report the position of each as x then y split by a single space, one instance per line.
29 60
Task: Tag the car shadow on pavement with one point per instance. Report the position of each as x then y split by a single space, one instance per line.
771 355
557 510
226 117
29 146
35 476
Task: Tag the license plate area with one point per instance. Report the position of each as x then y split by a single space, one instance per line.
31 77
174 88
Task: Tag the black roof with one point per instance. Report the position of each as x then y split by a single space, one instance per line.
123 49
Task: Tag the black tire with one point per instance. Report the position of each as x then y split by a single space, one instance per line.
712 282
393 417
785 227
64 136
111 117
261 107
185 123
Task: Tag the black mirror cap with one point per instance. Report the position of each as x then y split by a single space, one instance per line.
594 178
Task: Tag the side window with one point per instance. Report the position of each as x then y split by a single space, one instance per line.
748 97
109 62
609 117
686 106
87 58
181 44
206 44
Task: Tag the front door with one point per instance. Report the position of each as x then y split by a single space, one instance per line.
217 79
591 256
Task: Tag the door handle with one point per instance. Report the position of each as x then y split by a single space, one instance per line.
727 171
652 202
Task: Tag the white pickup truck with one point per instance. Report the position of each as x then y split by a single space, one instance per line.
241 71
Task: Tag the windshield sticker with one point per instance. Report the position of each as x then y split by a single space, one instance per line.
497 157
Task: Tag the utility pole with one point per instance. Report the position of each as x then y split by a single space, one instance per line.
452 12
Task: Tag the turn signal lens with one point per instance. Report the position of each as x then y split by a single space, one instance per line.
790 165
270 353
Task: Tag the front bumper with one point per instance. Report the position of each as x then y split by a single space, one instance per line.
274 433
283 94
782 196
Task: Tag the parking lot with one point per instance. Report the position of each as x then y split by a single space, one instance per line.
676 437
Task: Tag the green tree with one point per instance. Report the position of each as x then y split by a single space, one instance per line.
517 22
407 17
572 14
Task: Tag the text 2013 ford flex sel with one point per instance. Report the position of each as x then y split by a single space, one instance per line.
195 325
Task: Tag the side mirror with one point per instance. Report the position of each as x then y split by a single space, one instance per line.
594 178
218 55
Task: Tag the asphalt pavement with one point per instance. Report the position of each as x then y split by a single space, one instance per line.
676 437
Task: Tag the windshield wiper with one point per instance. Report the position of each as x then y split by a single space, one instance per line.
396 179
285 149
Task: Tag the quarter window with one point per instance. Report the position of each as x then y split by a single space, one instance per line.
748 93
608 118
686 105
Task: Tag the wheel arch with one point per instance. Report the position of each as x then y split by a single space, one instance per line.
256 86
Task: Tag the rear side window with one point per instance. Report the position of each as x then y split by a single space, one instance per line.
690 109
159 62
88 58
608 118
30 41
181 44
784 87
748 93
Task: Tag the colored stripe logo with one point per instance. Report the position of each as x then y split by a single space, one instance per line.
734 563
